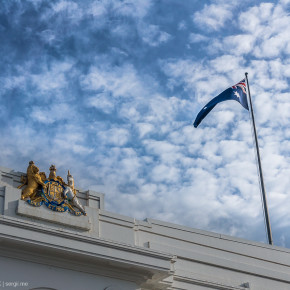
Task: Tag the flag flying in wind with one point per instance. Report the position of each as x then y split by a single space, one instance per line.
237 92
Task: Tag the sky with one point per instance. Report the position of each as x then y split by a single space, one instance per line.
109 90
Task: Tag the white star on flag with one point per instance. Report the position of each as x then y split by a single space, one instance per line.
237 95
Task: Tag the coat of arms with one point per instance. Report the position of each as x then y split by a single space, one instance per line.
56 194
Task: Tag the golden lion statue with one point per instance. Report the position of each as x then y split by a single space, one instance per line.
34 179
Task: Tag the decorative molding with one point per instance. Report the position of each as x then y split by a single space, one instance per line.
116 219
209 284
65 234
220 262
208 239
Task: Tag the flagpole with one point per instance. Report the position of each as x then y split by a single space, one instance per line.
267 218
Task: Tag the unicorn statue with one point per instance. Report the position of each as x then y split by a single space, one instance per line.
70 194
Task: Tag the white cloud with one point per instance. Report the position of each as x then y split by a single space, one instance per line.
97 9
144 129
163 173
238 44
268 24
47 85
65 6
135 8
196 37
53 78
153 36
274 46
226 63
69 9
47 36
182 25
255 17
52 113
122 30
213 17
102 101
71 139
167 152
115 81
129 112
8 83
115 136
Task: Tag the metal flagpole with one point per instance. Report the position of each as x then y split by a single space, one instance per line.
269 233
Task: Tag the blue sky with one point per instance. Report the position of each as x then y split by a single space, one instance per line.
110 89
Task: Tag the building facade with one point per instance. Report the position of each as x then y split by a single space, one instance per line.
45 249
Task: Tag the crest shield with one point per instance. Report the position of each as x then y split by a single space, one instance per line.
54 192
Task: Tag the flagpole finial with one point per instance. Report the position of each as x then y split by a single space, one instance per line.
246 73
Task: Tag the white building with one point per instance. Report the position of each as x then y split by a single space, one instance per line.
43 249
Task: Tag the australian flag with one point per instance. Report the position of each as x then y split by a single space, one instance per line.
237 92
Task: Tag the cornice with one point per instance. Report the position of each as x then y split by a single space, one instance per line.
28 241
209 284
65 234
233 264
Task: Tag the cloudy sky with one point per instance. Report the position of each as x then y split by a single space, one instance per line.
109 89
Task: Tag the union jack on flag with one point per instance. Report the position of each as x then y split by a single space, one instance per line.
242 85
238 92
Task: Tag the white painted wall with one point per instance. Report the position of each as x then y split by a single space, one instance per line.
13 272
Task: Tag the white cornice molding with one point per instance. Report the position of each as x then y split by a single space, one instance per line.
65 234
208 283
232 264
209 239
62 248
